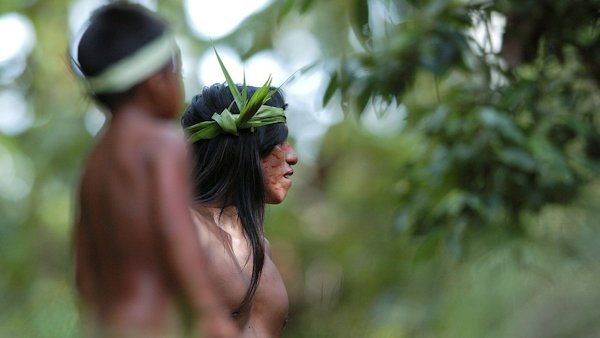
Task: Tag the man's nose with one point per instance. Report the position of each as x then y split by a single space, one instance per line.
290 156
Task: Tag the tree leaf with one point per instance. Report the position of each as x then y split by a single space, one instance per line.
361 19
332 87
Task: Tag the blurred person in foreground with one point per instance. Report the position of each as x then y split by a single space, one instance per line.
140 269
241 161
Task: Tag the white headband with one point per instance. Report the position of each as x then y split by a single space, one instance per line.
134 68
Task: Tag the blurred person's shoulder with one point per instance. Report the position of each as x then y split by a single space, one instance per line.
158 137
169 138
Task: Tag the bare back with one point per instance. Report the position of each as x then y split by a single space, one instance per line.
121 262
228 255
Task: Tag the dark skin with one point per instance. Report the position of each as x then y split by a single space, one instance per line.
230 255
137 254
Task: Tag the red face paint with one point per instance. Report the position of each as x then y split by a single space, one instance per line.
277 170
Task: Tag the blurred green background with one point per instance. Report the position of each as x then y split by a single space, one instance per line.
449 157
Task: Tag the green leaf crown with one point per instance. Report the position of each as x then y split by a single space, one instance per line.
253 111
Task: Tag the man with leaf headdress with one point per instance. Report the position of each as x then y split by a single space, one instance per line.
241 161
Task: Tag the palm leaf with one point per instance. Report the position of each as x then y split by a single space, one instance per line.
237 97
260 96
244 89
203 130
265 94
266 115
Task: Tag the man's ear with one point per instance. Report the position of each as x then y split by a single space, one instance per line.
157 84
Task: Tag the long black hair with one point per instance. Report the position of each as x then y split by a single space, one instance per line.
227 169
115 31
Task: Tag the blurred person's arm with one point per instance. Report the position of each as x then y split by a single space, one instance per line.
182 247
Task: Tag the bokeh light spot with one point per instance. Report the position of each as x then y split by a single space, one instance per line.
215 19
16 116
18 37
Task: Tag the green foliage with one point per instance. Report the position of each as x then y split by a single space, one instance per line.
450 214
498 142
478 218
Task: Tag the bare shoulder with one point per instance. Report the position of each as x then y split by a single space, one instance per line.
168 141
268 248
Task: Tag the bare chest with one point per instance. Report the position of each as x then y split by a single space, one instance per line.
268 311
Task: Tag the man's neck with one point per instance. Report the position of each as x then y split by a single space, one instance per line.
225 218
135 107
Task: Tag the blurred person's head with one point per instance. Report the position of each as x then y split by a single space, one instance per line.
246 170
126 52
